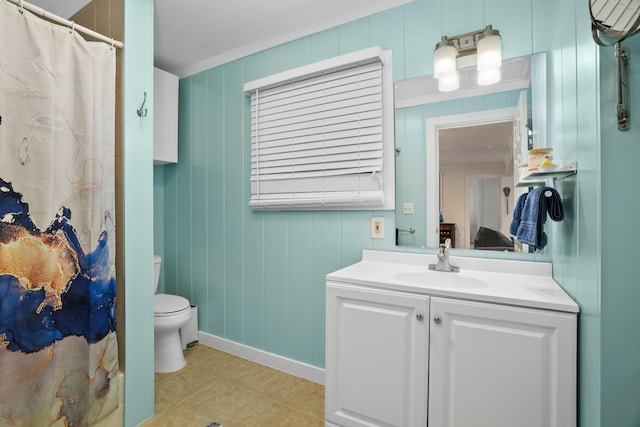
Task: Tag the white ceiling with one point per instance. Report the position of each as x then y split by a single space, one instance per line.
195 35
477 145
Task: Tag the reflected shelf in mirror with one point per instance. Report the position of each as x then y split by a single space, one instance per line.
536 179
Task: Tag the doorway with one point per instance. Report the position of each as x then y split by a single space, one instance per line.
452 180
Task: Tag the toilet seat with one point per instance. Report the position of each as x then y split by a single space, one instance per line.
169 305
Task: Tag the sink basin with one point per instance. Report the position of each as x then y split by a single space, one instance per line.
440 279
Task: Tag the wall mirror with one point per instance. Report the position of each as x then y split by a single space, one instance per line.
457 155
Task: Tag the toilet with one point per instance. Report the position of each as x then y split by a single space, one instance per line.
170 313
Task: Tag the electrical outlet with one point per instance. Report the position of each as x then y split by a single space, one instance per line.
377 227
407 208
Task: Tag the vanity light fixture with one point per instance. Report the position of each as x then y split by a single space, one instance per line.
486 44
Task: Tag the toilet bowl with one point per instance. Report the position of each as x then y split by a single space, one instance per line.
170 313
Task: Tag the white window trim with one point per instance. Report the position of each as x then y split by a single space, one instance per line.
388 170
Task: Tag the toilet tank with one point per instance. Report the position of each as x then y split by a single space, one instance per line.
157 261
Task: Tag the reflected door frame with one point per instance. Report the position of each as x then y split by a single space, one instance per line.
433 126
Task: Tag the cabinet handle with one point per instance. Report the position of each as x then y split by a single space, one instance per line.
420 317
437 320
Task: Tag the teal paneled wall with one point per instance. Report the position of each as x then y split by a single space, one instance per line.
258 277
138 213
620 290
574 126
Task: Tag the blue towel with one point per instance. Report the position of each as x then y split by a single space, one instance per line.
539 202
517 212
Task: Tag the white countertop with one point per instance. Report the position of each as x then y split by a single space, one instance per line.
519 283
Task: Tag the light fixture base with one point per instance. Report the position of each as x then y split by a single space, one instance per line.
467 43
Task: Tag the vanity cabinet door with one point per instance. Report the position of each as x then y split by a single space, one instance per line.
492 365
376 357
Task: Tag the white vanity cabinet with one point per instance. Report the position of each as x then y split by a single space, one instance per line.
497 365
499 351
377 354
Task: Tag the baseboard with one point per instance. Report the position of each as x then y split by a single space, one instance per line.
281 363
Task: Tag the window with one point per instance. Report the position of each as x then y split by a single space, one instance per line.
322 135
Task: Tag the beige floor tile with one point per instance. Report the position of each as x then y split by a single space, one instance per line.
216 399
179 416
217 386
255 410
245 373
313 404
287 389
176 388
203 357
297 419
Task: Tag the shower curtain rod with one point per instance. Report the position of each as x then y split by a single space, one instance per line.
55 18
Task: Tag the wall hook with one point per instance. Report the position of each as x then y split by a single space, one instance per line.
142 112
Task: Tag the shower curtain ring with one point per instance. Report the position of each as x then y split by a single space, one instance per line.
73 27
142 112
21 7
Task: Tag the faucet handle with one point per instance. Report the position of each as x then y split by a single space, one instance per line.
447 243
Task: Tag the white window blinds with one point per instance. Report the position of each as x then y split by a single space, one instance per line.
318 135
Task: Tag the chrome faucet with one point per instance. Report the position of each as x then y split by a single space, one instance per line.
443 263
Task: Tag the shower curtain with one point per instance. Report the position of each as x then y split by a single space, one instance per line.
58 352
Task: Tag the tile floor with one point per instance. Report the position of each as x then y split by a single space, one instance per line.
217 386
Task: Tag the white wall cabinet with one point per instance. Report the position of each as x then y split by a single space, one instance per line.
165 117
404 359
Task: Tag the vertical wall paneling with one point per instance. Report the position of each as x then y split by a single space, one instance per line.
199 195
573 132
472 10
300 285
386 31
184 247
298 52
275 278
326 257
158 216
213 319
619 290
169 276
584 194
138 214
234 204
275 249
325 45
354 36
355 231
254 292
419 39
500 14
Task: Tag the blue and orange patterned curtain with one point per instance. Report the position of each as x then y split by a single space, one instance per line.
58 350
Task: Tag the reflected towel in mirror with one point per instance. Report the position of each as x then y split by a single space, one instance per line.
517 212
